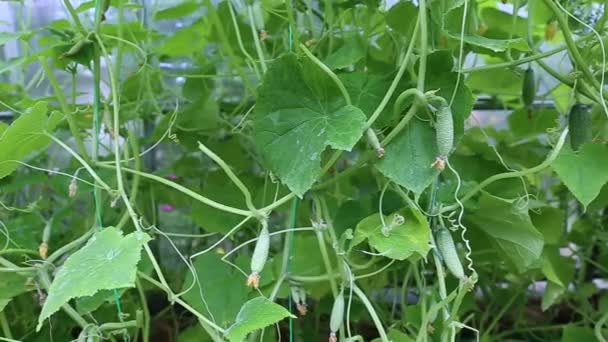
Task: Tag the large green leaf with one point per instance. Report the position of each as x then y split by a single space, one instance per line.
508 225
409 157
298 114
255 314
585 172
108 261
220 289
402 241
25 136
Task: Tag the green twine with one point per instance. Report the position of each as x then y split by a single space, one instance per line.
97 129
294 218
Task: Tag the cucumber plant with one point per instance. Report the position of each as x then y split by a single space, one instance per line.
303 170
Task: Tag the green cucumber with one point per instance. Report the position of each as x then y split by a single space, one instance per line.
579 121
445 245
528 90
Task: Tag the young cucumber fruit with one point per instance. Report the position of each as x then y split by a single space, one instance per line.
445 131
528 89
337 314
446 247
579 121
258 259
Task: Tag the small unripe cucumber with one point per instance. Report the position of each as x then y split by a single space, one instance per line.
579 121
446 247
445 131
528 89
260 253
337 313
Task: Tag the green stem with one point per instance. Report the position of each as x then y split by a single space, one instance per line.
82 162
6 329
420 101
239 40
433 311
20 270
572 47
146 311
514 174
404 292
423 44
391 89
329 20
329 73
217 23
133 139
598 327
119 179
19 251
497 317
582 87
256 39
188 192
118 325
64 106
75 17
291 16
372 311
520 61
69 246
233 177
326 261
212 333
401 125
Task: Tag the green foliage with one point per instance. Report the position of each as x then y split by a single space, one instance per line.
401 240
584 182
508 226
255 314
414 147
298 114
25 136
286 100
108 261
214 280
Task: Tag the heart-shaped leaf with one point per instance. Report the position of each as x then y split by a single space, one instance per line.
585 172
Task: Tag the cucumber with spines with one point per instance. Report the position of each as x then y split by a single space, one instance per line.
447 248
579 121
